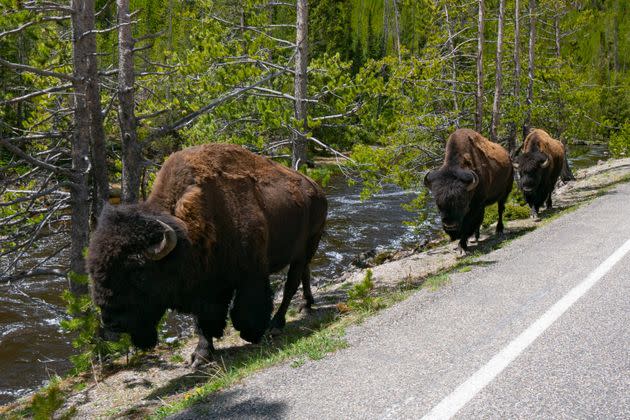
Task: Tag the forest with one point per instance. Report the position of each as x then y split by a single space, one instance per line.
97 93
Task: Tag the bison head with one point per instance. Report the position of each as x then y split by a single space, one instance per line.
453 190
530 168
130 261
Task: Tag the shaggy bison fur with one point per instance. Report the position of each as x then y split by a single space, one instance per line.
538 167
476 173
219 220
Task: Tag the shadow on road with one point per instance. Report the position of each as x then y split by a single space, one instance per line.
233 404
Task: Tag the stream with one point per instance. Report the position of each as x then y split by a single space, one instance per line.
33 348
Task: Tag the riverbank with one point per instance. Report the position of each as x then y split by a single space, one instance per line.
159 382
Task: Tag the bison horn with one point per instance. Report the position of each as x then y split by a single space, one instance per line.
545 163
166 245
515 165
474 182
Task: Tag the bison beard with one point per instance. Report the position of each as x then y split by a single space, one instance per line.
475 174
218 221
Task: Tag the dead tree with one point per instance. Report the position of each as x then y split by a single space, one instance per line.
530 67
496 104
62 189
517 75
479 93
131 151
299 149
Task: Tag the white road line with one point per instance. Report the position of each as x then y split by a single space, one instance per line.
453 402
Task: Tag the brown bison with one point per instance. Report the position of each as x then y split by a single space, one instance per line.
538 167
219 220
476 173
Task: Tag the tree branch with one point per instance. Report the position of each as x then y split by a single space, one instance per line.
184 121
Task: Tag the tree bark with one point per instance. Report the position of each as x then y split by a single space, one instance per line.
496 104
451 48
616 15
479 94
397 27
565 174
87 42
530 67
517 74
299 153
131 151
83 55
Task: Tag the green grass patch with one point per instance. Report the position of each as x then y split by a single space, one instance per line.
433 283
177 358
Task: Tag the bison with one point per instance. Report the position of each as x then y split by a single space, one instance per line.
538 168
476 173
218 221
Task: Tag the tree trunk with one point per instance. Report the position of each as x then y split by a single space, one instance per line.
496 104
397 27
299 153
530 67
616 14
517 74
451 49
83 55
131 152
87 42
385 29
479 95
565 174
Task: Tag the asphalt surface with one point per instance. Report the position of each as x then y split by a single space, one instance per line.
404 361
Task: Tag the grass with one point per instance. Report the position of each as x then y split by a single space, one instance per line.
435 282
177 358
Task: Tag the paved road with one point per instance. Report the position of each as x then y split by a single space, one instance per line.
492 324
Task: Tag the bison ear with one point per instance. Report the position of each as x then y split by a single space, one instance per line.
428 179
546 162
475 181
166 245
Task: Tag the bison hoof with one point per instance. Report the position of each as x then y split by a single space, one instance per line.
199 358
276 326
306 308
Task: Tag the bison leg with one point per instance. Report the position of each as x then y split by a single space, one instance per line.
208 325
251 311
296 271
501 206
535 212
203 351
548 204
306 290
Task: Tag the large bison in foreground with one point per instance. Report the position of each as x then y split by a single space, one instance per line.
219 220
539 166
476 173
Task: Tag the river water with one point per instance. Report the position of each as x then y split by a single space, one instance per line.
33 348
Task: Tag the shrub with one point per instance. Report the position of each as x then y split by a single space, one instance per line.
619 143
84 323
360 295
